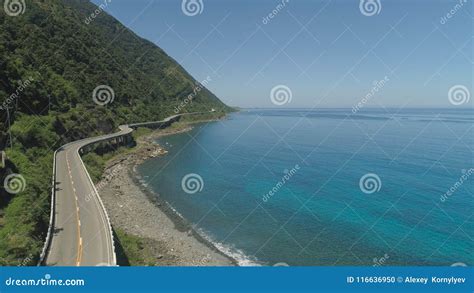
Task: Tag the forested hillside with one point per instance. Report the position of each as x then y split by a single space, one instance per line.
53 59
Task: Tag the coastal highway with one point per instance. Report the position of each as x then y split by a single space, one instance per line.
81 233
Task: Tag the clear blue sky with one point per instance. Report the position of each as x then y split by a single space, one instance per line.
327 52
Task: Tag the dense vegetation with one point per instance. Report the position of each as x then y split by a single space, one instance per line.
133 250
51 60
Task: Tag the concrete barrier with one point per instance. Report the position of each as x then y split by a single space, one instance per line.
49 235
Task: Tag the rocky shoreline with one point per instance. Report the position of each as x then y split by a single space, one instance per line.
135 210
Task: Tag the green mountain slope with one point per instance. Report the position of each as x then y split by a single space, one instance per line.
52 58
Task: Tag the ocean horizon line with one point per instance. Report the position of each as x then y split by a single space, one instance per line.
350 108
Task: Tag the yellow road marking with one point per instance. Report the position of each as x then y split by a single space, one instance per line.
79 238
79 257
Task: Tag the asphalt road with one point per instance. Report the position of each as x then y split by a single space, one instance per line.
82 235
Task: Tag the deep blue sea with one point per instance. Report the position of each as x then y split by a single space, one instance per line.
326 187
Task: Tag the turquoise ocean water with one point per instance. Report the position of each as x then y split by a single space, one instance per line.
327 187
